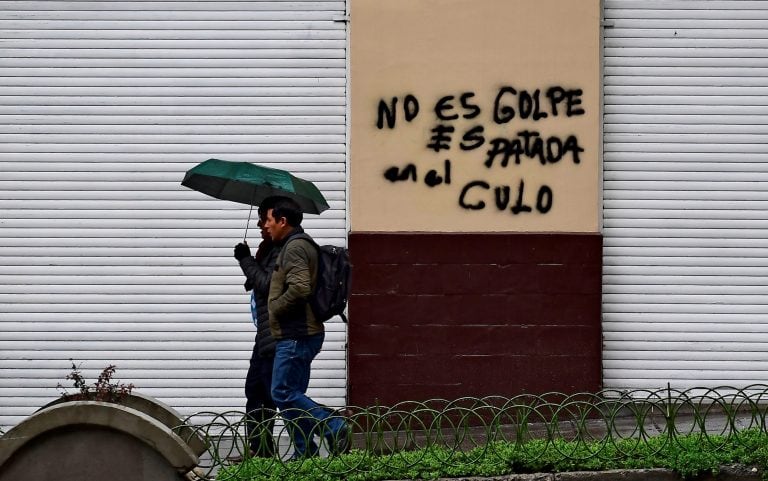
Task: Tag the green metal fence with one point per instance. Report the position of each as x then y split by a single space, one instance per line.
569 426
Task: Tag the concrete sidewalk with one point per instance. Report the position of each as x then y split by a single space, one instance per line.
727 473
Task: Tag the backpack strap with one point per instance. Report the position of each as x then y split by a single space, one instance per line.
305 237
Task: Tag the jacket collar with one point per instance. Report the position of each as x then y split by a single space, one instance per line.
296 231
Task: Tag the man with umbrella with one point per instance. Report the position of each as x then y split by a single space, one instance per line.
260 408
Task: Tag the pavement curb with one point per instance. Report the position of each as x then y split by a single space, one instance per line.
727 473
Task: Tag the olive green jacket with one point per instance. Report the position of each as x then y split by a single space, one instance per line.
292 284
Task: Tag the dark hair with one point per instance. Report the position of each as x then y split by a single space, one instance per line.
288 208
267 204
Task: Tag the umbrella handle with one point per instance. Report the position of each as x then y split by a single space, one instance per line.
250 211
247 223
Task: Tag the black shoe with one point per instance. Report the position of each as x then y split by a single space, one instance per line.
340 442
297 456
239 458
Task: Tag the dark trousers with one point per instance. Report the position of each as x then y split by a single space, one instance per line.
260 407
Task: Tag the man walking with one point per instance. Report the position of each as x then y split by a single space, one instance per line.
298 334
260 408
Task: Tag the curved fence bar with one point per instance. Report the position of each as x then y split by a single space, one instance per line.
575 427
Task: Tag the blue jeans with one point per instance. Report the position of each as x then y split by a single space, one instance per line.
290 379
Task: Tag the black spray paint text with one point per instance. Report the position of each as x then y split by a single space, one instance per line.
508 103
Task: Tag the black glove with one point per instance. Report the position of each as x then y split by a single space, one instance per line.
242 251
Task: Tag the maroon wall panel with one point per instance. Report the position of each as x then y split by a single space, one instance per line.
453 315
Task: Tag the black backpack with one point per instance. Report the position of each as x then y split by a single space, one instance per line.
333 279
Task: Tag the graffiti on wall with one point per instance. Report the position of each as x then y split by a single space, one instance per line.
505 131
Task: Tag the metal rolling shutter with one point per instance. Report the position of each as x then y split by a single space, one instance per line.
685 199
104 257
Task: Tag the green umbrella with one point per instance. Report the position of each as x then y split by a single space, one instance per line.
250 184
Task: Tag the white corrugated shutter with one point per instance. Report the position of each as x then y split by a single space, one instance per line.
686 205
104 257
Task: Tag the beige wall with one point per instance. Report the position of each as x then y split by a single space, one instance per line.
475 51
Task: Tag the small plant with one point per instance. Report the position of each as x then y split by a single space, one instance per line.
104 389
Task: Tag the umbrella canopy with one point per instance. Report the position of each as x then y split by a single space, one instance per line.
250 184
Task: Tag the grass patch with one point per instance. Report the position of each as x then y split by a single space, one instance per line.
689 456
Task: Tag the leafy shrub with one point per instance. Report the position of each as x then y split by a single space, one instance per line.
689 456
